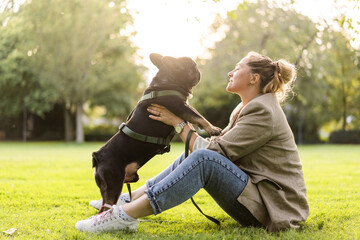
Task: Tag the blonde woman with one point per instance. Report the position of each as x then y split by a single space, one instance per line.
253 170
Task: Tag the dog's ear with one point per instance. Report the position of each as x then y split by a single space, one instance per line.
155 58
172 63
94 160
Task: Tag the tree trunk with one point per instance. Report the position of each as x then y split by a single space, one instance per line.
24 124
344 102
344 123
300 127
69 132
79 126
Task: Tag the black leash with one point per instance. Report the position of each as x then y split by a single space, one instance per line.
217 222
129 190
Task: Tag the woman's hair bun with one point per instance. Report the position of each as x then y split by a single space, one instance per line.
285 70
275 76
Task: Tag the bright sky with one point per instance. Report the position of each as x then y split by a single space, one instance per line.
174 28
178 28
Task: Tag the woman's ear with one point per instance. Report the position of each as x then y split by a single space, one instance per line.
255 78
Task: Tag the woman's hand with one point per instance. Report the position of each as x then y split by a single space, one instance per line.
160 113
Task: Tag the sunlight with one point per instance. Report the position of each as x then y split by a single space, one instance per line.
174 28
182 28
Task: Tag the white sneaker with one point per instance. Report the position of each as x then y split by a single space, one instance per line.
98 203
106 222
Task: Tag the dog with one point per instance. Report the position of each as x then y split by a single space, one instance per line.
119 159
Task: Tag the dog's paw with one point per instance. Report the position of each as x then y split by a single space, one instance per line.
213 131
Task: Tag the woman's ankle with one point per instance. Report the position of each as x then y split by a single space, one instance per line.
138 192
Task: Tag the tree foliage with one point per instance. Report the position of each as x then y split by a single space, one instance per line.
72 52
19 80
327 66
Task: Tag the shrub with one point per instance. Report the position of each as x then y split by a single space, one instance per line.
342 136
99 133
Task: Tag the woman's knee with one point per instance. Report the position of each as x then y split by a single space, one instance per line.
202 153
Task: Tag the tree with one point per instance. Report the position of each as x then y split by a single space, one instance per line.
267 29
342 77
21 92
76 44
327 66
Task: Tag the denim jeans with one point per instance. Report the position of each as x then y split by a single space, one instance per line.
220 177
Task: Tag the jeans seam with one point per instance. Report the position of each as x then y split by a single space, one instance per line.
153 202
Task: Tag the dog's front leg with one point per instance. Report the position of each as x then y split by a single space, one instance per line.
191 115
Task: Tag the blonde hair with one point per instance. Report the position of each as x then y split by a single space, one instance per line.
275 77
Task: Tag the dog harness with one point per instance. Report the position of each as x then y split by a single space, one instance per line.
155 94
149 139
159 140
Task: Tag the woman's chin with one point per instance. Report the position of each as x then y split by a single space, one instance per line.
228 89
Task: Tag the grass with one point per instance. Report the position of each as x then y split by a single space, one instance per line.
45 189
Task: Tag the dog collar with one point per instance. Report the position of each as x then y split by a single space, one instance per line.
155 94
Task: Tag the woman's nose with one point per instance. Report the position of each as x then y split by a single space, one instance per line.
230 74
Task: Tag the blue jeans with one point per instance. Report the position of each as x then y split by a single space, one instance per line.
220 177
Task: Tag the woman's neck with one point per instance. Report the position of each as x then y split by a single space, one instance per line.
246 97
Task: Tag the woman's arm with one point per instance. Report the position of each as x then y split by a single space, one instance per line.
254 128
162 114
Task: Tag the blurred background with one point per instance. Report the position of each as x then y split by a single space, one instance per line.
72 70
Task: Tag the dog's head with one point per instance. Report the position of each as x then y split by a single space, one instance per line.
110 176
181 71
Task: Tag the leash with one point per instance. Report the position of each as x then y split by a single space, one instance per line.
217 222
161 141
129 190
149 139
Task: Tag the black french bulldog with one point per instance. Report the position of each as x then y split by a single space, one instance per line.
119 159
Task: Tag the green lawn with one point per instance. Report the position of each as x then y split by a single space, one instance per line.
45 189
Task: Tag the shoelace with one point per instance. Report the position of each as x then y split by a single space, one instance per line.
102 217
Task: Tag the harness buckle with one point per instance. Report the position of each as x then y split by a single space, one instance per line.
122 125
165 149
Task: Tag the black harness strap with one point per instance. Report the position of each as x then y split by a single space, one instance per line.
129 190
217 222
156 140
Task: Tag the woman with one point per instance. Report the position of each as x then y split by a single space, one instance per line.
252 170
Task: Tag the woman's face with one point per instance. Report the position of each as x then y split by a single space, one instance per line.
239 77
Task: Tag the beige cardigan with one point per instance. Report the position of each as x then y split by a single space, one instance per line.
259 141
